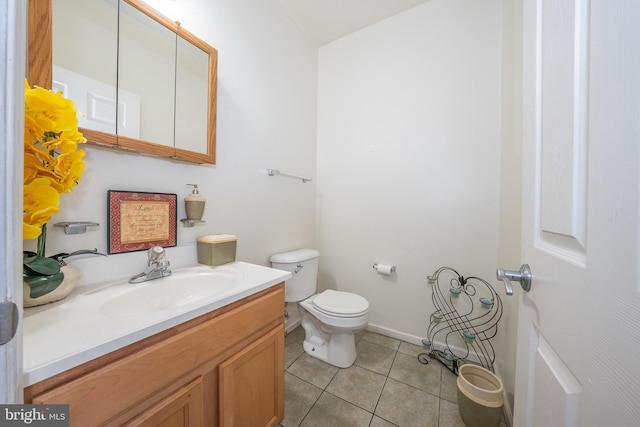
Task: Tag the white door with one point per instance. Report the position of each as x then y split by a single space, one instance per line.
578 361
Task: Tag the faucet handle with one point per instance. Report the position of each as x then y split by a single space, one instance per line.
155 254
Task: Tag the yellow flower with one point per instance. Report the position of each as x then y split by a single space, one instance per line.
32 130
32 165
51 111
30 231
41 201
52 162
70 166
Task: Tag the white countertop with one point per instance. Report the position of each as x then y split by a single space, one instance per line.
68 333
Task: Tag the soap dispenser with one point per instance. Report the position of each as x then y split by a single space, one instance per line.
194 204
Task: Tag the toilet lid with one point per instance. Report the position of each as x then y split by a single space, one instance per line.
339 303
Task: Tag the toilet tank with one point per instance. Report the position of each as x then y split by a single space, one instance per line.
303 265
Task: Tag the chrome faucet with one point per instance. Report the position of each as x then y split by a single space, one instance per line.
156 268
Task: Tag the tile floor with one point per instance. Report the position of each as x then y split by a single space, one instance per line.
386 386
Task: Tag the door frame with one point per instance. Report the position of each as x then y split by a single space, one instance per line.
12 61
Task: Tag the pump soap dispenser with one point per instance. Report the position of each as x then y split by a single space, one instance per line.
194 204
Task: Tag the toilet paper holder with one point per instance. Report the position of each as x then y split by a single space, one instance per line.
381 268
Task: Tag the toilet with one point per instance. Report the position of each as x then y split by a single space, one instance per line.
330 319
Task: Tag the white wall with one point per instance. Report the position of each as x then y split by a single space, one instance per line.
267 82
409 156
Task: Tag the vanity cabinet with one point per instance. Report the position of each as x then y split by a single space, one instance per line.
245 380
225 368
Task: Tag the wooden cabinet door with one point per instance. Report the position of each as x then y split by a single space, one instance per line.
251 384
184 408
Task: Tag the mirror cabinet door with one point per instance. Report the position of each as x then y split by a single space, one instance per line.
196 84
84 53
146 76
192 82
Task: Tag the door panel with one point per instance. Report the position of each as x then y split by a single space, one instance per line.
555 392
562 90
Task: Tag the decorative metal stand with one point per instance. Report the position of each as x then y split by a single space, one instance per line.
466 319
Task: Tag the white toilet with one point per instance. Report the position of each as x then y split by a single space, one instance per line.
330 319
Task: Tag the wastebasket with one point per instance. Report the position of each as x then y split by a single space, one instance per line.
480 396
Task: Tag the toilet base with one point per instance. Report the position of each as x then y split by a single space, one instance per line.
339 350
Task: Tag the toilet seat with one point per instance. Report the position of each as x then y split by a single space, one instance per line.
340 304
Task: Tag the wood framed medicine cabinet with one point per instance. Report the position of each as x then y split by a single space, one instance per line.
140 81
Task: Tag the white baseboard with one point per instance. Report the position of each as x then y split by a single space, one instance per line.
412 339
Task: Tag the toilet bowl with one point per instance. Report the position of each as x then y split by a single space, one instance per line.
330 319
330 334
342 311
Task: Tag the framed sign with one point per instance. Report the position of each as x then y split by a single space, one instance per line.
138 221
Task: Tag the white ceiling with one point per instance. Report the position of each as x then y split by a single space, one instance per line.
328 20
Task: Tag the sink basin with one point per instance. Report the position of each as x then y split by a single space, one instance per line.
179 289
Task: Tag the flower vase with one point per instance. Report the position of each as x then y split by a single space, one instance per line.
72 276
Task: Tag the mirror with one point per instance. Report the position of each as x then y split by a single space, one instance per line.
191 95
142 82
89 79
147 70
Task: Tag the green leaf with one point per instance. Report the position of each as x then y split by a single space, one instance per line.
42 285
42 265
